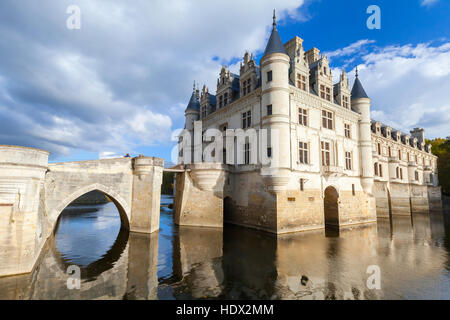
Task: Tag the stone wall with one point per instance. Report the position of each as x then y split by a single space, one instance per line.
199 196
22 174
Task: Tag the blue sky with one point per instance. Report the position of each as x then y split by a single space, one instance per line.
120 84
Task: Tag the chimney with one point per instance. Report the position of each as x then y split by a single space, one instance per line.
312 55
418 133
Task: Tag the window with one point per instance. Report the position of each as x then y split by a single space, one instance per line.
399 155
401 174
302 184
347 131
390 151
203 112
269 152
303 117
269 110
223 128
353 190
408 157
246 119
417 161
301 81
303 152
381 170
246 86
379 148
345 103
325 92
325 146
328 95
416 176
224 156
220 101
327 120
375 168
225 99
247 153
397 173
181 153
348 160
269 76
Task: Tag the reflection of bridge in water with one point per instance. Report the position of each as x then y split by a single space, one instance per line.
413 255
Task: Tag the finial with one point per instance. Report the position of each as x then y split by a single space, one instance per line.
356 71
274 20
193 88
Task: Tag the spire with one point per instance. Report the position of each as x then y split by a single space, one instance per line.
193 104
274 20
274 45
358 90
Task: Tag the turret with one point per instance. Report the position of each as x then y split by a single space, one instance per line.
275 105
186 142
361 104
192 112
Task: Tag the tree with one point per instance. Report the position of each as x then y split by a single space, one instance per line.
441 148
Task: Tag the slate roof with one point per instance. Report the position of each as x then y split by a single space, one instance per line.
358 90
274 45
193 104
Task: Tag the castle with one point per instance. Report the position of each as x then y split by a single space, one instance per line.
335 165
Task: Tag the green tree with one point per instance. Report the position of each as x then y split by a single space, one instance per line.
441 148
167 184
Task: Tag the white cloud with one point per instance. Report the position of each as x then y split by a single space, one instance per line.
408 86
349 50
123 80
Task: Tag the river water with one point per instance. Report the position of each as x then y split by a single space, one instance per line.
409 257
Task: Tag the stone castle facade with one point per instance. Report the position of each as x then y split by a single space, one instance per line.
336 166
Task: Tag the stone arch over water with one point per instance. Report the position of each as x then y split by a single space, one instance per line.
331 207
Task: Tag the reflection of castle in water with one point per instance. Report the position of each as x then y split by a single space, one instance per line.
237 263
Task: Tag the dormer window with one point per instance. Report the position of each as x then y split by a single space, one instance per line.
325 92
345 103
246 87
301 81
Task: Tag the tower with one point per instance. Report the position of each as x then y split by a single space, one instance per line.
191 114
361 104
275 102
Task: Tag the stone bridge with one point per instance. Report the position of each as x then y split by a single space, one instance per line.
33 193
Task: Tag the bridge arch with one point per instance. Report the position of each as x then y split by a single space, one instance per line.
331 207
121 204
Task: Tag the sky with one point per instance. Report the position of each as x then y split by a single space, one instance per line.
121 82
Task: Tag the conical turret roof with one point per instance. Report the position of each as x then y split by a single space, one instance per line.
358 90
193 104
274 45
